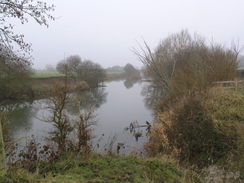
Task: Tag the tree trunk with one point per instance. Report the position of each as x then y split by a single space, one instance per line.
2 152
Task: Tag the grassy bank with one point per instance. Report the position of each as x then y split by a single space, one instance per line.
105 169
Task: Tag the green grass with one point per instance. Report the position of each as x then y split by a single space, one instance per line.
240 92
119 72
46 75
104 169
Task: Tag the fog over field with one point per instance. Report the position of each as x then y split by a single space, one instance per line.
106 30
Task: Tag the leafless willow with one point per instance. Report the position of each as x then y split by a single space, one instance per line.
183 63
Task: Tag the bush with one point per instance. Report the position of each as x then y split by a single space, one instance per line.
183 64
198 131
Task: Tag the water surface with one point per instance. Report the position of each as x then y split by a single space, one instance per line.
115 106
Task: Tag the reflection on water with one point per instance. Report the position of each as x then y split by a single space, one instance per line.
115 106
129 82
87 101
21 115
152 95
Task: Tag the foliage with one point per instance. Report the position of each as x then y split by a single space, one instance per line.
21 10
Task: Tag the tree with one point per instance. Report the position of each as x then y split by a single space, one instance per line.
15 63
85 70
69 66
57 102
130 70
9 59
2 151
183 63
50 68
14 78
22 10
91 72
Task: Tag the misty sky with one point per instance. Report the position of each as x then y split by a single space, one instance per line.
105 31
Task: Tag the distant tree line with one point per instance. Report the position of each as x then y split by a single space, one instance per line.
86 70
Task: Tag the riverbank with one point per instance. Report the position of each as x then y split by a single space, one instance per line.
211 139
104 169
40 86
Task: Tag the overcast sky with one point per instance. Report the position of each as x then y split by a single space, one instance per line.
105 31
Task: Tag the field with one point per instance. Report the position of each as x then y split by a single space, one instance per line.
114 75
46 75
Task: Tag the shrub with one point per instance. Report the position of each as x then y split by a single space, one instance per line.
183 64
198 131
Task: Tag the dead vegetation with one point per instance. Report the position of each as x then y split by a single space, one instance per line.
184 64
70 134
83 128
196 124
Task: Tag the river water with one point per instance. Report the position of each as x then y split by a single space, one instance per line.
115 106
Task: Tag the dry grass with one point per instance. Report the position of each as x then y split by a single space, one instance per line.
202 130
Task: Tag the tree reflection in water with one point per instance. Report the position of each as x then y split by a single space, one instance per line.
128 83
88 100
20 115
152 95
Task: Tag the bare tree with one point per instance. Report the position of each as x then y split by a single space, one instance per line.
84 129
183 63
57 102
69 66
22 10
85 70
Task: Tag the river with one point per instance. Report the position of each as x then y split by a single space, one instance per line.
115 106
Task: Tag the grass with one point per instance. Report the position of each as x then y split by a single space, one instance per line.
46 75
110 73
105 169
223 109
114 76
